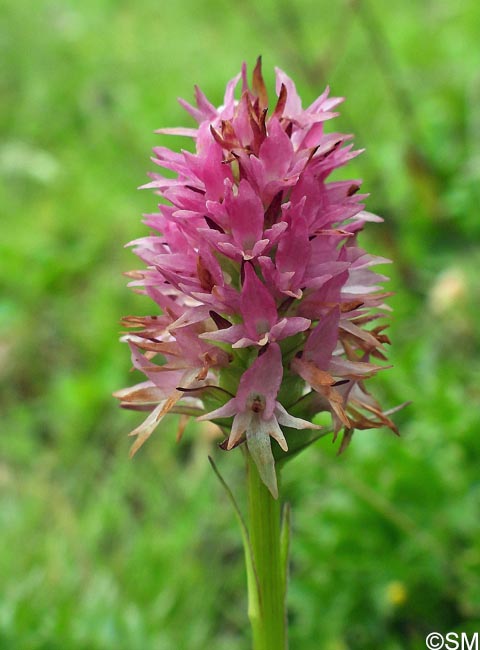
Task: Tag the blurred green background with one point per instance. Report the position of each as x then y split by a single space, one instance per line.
99 552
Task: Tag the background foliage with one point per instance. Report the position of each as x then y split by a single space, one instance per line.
103 553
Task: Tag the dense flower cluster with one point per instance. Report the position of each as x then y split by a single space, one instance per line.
268 307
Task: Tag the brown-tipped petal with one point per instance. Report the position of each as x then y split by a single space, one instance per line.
282 100
258 84
397 408
376 409
134 275
309 371
330 232
354 369
140 394
346 439
178 130
367 340
224 444
322 382
182 423
205 277
145 430
351 305
219 139
160 347
360 421
229 135
240 424
258 134
336 402
141 321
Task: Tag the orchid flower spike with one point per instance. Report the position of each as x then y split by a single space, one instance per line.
266 309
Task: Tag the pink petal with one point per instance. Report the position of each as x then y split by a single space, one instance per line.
294 104
293 252
263 378
257 305
225 411
258 249
194 112
208 110
276 231
323 340
317 104
246 216
276 151
228 335
283 417
227 109
245 342
289 327
143 393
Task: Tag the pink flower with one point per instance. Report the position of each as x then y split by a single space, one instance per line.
261 323
266 302
258 414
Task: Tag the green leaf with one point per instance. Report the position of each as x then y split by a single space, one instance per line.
252 576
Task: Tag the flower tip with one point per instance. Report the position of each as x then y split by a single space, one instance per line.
135 447
273 490
269 479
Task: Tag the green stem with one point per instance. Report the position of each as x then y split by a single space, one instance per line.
267 611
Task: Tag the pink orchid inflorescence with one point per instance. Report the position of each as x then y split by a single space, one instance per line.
268 306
